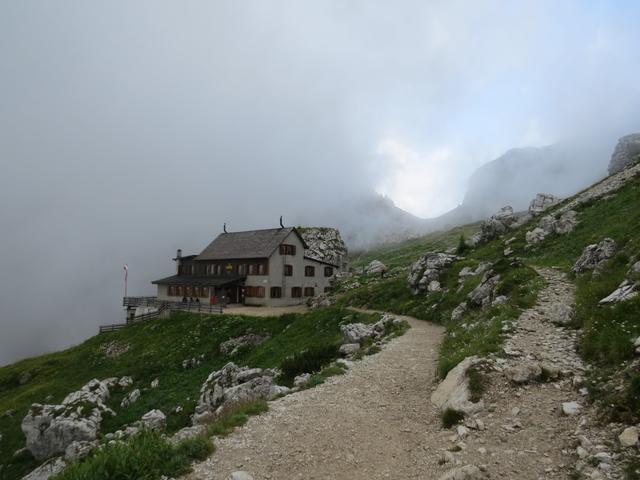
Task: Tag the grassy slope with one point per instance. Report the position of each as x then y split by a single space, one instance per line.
402 254
157 349
607 330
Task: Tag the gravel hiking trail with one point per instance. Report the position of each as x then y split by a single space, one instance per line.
376 421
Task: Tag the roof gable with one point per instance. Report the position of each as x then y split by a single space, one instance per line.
250 244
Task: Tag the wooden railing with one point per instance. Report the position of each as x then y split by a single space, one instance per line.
112 328
140 301
162 307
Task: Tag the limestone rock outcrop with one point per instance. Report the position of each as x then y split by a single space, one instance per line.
50 429
626 153
594 256
425 273
625 291
325 244
232 385
561 224
542 202
485 293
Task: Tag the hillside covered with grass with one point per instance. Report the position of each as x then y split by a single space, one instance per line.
156 350
608 331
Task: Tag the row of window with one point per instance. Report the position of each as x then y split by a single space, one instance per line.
276 292
187 291
309 271
220 269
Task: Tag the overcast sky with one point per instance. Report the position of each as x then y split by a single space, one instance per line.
131 128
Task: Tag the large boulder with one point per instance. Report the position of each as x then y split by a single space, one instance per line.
498 224
485 293
357 332
561 314
626 153
232 385
50 429
542 202
453 391
154 420
594 256
376 267
552 225
626 291
425 273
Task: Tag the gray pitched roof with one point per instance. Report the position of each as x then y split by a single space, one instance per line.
251 244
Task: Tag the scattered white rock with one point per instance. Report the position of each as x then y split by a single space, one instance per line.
561 314
125 382
131 398
155 420
240 475
468 472
625 291
523 372
629 437
155 383
232 346
571 408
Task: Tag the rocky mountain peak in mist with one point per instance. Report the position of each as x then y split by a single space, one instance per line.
626 153
517 176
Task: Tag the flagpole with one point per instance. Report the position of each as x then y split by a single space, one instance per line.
126 274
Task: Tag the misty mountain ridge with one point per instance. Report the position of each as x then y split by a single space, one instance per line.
513 179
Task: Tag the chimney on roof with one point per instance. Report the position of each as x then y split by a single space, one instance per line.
281 224
179 253
224 228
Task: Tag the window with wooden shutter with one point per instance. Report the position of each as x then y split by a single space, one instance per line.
309 292
287 249
309 271
296 292
288 270
276 292
328 271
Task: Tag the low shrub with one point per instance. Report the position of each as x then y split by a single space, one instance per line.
147 456
308 361
451 417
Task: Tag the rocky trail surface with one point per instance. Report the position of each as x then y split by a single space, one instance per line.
537 423
377 422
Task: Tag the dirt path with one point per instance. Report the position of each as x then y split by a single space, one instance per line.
376 421
526 435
